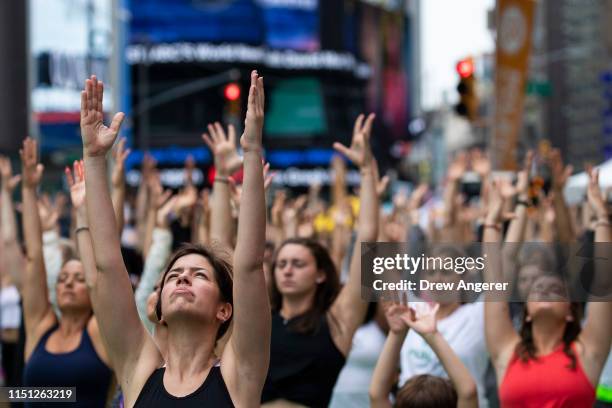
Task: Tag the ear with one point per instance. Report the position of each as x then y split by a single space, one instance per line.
224 312
569 318
528 318
320 277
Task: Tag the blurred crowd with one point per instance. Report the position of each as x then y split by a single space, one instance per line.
242 293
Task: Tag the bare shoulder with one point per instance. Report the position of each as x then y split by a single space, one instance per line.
136 371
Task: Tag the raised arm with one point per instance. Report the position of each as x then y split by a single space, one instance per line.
126 338
13 257
597 332
387 366
349 308
500 333
455 172
227 161
36 306
161 244
246 357
423 321
560 174
120 153
76 182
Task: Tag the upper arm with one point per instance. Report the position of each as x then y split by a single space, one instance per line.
597 332
35 297
499 331
127 342
246 356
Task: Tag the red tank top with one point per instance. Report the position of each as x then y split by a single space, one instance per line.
546 383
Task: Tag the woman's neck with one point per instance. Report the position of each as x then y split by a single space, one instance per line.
189 349
296 305
73 322
547 335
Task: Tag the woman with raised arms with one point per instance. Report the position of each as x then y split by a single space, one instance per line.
198 295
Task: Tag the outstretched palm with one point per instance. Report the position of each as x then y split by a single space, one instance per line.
394 312
422 320
97 138
594 194
360 152
253 123
31 169
223 148
9 182
76 182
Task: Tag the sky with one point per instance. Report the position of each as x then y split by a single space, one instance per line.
450 31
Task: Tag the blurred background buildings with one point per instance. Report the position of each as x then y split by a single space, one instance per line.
175 66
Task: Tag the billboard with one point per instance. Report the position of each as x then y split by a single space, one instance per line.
277 24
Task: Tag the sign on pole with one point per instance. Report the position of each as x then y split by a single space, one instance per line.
514 29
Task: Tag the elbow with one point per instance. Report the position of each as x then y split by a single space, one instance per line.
376 397
469 392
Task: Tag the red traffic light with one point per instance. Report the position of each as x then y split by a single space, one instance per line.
231 92
465 68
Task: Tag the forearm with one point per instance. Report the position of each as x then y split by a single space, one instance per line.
250 338
221 212
102 224
251 237
386 368
86 251
14 262
32 230
450 193
368 207
564 225
53 259
149 225
8 221
153 267
118 199
459 375
141 212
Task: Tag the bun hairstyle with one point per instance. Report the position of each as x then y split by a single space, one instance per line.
221 269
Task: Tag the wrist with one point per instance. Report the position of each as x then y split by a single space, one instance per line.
431 337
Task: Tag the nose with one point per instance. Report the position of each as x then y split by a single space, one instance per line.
183 279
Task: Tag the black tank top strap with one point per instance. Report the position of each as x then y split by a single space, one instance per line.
212 393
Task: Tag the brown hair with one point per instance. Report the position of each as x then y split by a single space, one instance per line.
526 349
426 391
326 291
223 275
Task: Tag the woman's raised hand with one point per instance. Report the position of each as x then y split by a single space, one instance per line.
97 138
359 152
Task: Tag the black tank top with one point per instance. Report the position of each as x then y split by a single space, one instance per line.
303 367
212 393
80 368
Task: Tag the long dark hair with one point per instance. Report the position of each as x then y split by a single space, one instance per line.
223 275
526 349
326 291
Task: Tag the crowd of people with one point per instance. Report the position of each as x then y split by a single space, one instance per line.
234 296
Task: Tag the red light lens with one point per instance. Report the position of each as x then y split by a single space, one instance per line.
232 92
465 68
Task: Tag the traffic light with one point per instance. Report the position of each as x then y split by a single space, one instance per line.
232 92
468 100
232 95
